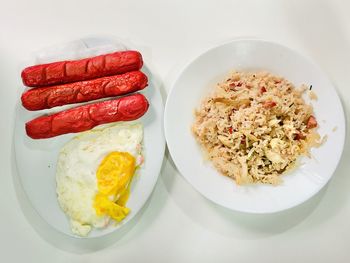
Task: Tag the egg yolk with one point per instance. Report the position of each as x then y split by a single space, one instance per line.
114 175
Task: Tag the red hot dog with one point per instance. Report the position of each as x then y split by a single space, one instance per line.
49 97
88 116
84 69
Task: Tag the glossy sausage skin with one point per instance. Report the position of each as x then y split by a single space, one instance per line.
84 69
88 116
49 97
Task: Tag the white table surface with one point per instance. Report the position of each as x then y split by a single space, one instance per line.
178 224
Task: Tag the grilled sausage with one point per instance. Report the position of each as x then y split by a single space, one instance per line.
88 116
84 69
49 97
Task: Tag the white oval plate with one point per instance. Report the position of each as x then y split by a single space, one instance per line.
200 76
36 159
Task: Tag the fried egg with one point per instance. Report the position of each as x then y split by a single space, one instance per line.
94 173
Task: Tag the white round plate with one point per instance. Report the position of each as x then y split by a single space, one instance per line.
36 159
201 75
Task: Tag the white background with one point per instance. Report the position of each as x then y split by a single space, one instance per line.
178 224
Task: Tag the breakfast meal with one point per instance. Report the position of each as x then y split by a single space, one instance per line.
49 97
86 117
254 126
83 69
94 174
95 168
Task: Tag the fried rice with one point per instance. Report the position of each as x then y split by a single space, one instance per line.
254 126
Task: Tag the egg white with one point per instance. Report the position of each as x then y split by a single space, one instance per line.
77 164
